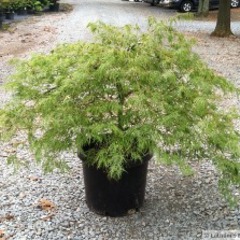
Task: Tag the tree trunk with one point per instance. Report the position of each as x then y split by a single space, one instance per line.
223 26
203 8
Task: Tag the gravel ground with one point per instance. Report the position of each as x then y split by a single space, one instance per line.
35 206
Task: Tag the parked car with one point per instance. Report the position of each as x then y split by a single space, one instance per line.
188 5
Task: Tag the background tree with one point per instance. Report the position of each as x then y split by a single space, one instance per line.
223 26
203 8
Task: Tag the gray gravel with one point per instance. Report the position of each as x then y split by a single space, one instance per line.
176 207
196 26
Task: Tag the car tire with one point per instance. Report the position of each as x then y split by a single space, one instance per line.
154 2
235 3
186 6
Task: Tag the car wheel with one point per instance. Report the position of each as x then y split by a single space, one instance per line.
154 2
234 3
186 6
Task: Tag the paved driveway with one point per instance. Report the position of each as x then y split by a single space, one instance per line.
119 12
115 12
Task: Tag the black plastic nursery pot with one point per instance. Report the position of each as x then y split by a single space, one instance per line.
113 198
1 16
9 15
30 11
1 19
22 11
54 7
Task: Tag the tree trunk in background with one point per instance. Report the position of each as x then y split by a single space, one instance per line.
203 8
223 26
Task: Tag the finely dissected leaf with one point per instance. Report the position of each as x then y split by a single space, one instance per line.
128 93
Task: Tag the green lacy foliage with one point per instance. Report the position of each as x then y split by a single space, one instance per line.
128 93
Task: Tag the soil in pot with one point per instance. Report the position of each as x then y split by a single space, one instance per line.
113 198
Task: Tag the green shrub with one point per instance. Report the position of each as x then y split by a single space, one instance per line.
130 92
5 5
35 5
19 4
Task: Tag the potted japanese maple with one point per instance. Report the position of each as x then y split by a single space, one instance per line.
4 6
116 102
20 6
10 14
54 5
9 11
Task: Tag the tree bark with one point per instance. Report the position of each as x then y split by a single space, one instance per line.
203 8
223 26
